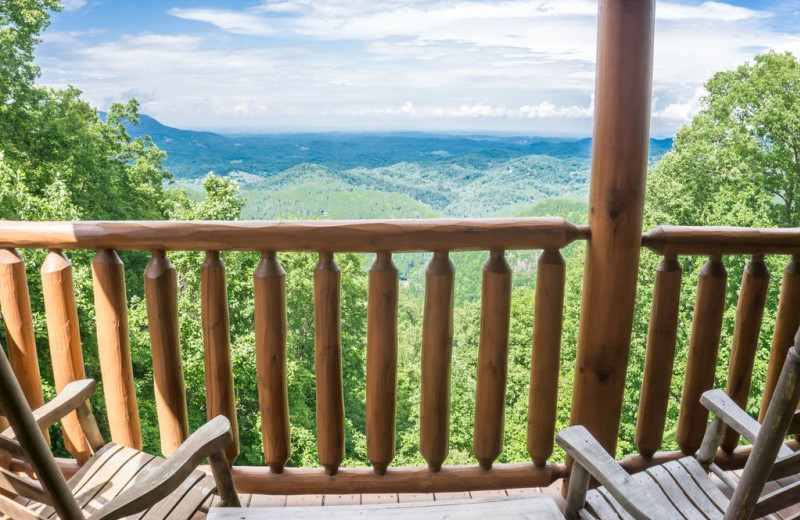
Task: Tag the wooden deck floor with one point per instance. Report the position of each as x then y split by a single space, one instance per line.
554 490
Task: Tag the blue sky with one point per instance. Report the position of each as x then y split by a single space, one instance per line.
430 65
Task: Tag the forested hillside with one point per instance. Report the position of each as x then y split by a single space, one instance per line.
62 160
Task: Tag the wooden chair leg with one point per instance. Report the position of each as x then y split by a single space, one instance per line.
222 475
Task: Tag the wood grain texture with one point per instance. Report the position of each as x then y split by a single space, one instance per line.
702 358
220 397
616 203
269 281
719 240
749 312
63 333
328 341
546 355
661 338
490 395
786 325
364 236
113 345
437 348
161 292
381 362
15 304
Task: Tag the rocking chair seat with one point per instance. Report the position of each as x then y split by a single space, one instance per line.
115 468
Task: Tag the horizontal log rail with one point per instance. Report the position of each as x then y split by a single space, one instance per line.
707 240
354 236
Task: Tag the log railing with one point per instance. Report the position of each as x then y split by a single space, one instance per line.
326 238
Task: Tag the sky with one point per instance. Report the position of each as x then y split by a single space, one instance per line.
508 66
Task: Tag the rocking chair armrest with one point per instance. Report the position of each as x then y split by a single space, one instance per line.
158 483
731 414
69 399
592 457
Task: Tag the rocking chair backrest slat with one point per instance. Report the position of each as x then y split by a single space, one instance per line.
30 437
770 439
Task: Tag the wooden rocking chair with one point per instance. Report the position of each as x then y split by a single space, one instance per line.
116 481
683 488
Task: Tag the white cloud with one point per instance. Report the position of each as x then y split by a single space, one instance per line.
424 64
72 5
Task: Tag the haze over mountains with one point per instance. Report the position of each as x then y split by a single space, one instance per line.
395 175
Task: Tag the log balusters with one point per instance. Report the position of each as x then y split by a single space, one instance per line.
786 325
270 321
65 341
661 338
381 362
702 358
220 399
490 397
545 357
327 338
15 304
161 293
116 367
749 311
437 346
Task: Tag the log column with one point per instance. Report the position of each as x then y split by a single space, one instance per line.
490 397
273 397
328 341
15 303
437 349
65 341
161 292
749 311
786 326
382 362
116 367
661 338
220 399
616 202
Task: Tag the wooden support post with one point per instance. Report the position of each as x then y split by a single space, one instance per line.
661 339
15 304
161 292
437 349
546 355
701 364
220 398
490 396
616 202
116 367
65 341
328 340
382 362
786 325
270 315
749 311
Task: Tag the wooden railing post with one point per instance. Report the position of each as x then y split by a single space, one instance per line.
490 396
661 338
161 292
65 341
113 345
701 362
382 362
220 399
786 324
328 341
437 349
548 316
270 315
616 203
749 311
15 303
